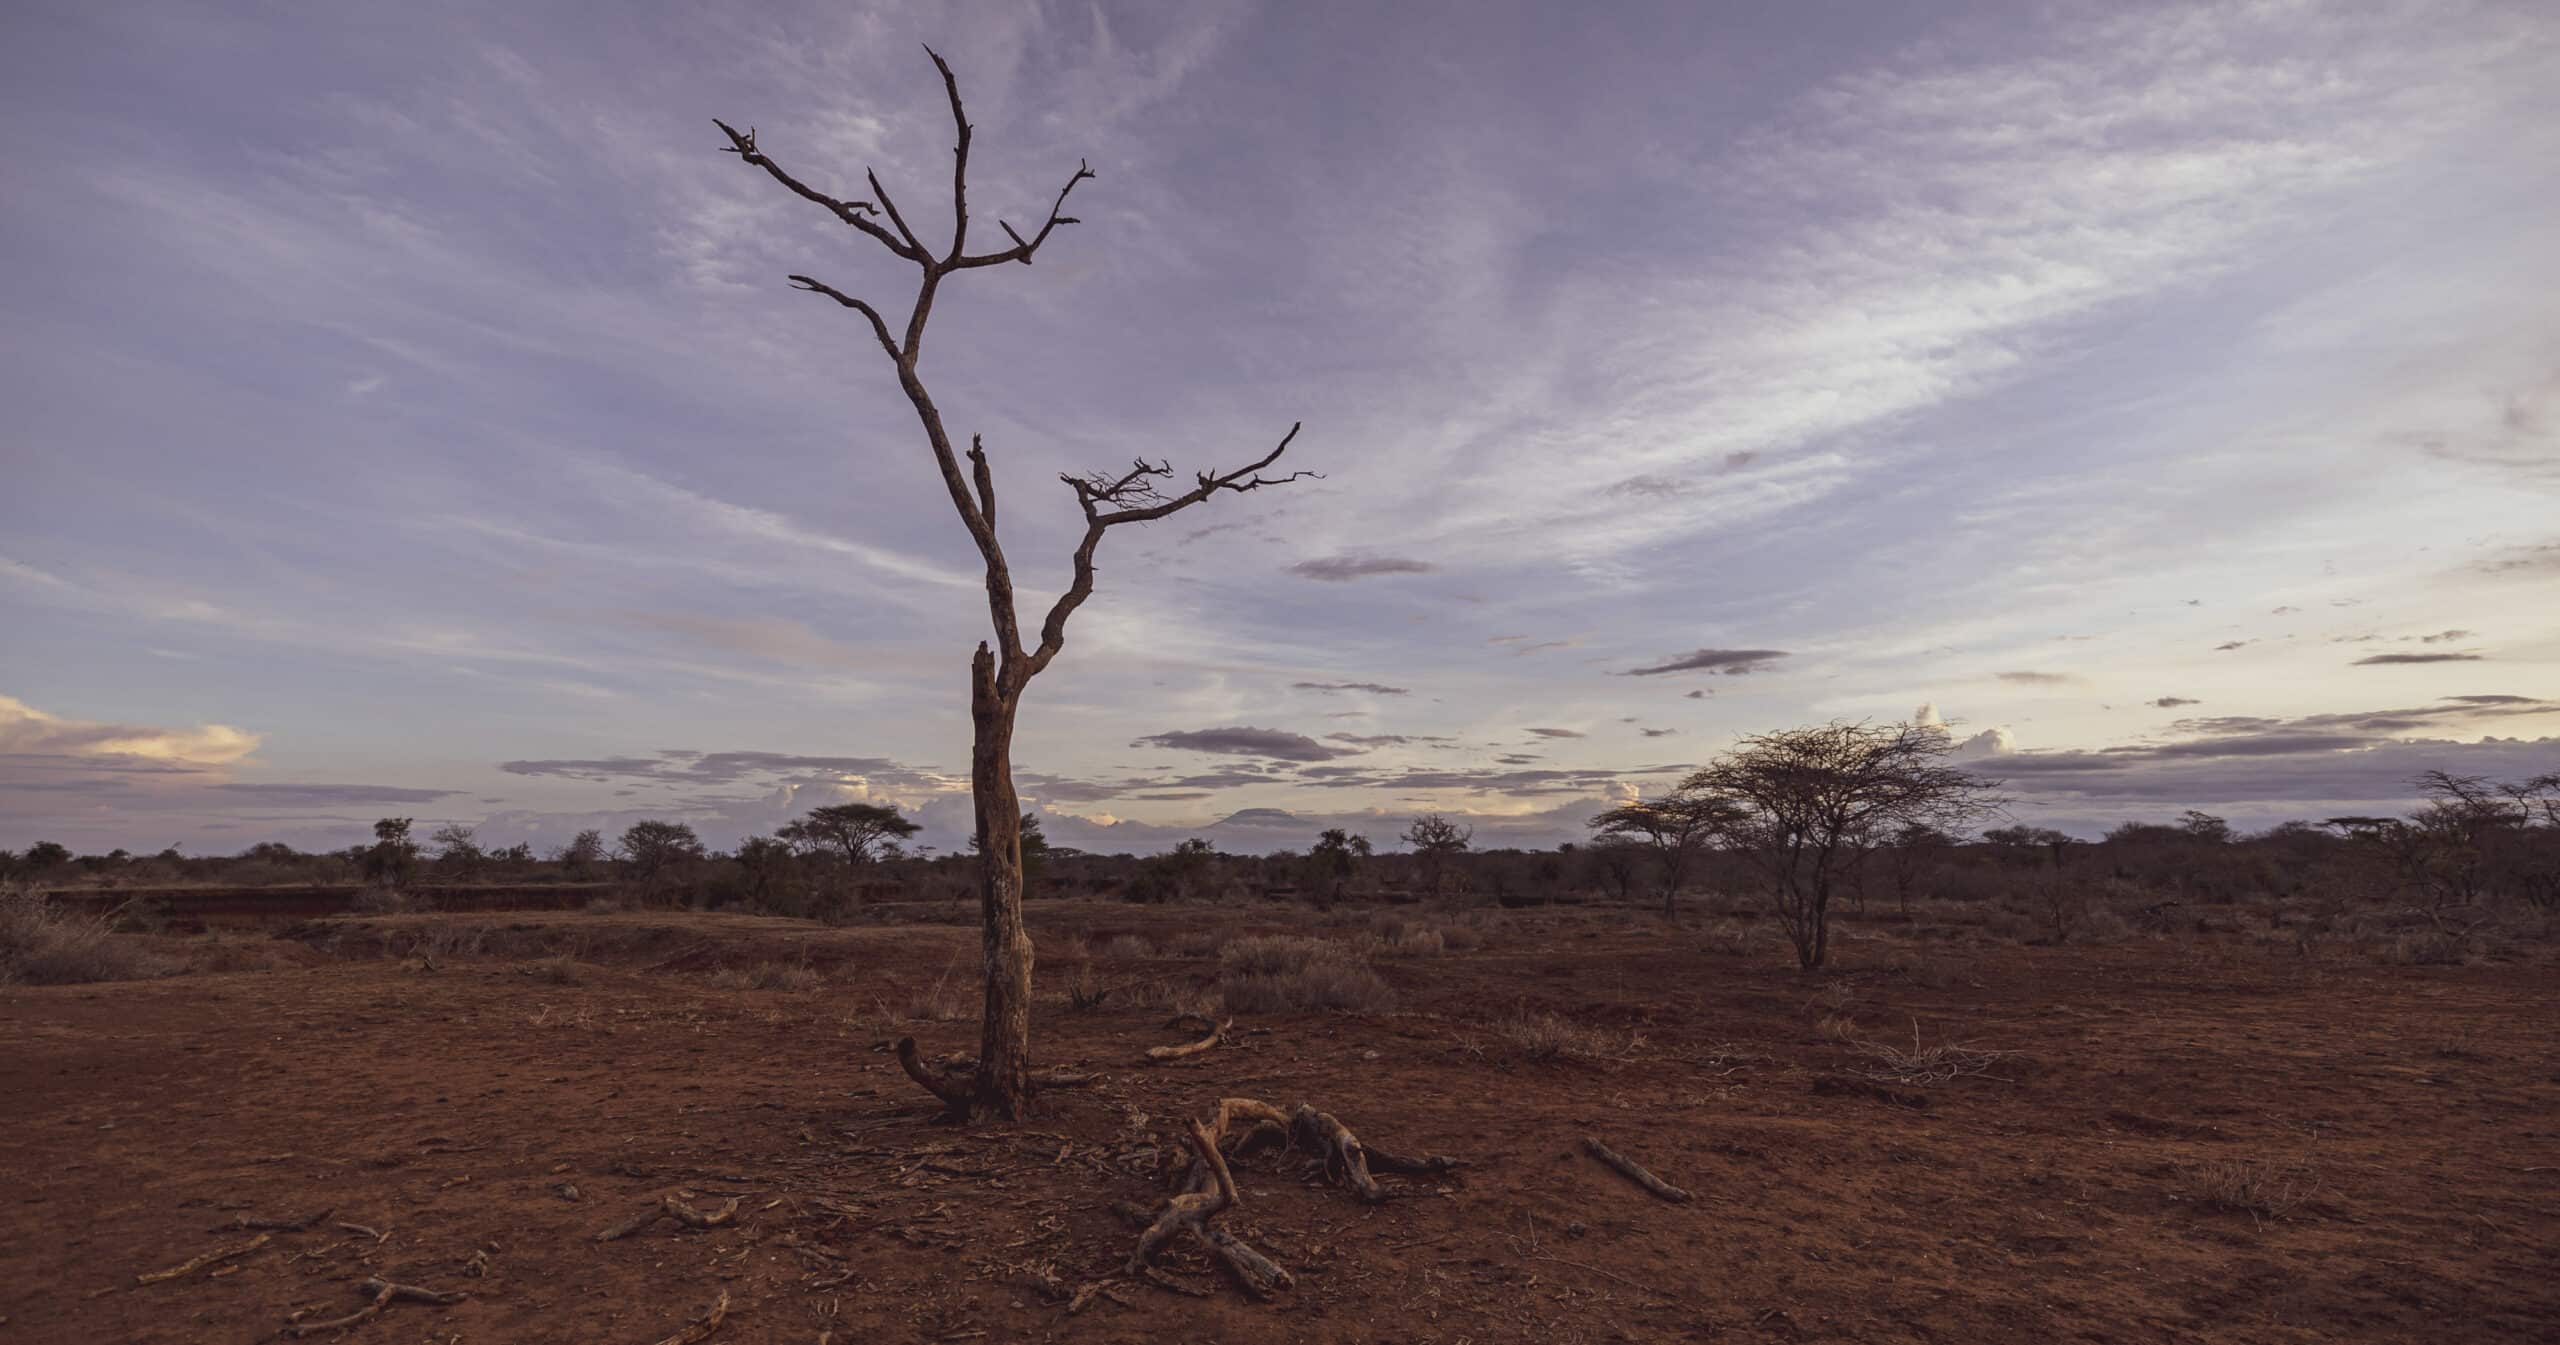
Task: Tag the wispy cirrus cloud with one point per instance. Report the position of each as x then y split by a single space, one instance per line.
1730 662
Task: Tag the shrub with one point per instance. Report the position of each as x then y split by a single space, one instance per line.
769 976
2259 1188
1204 942
43 944
1129 946
1276 973
556 971
1548 1036
1419 943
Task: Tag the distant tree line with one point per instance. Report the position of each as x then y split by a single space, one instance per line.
1790 825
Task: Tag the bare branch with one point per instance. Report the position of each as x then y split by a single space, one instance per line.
959 160
1095 491
978 469
1240 480
1021 250
879 326
851 212
915 248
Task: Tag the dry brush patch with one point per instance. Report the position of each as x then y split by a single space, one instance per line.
2262 1188
1279 973
44 944
1946 1062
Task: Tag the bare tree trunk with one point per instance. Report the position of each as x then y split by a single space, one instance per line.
1004 1028
1002 1084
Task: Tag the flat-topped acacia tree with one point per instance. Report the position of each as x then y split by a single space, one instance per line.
1001 1083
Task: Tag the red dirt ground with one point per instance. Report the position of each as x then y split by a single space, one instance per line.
2414 1113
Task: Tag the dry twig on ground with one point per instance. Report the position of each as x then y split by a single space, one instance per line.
1634 1171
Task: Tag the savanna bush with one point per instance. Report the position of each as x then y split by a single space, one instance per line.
1279 973
44 944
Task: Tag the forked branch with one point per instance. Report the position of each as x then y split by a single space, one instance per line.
743 144
1138 501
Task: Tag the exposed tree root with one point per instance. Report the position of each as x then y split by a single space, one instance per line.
1634 1171
1157 1055
700 1328
955 1090
199 1263
384 1294
670 1207
1190 1211
1348 1162
956 1083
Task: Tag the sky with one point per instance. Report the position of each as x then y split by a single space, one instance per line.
409 414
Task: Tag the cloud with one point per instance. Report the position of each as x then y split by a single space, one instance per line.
2173 702
1558 733
2444 637
2372 660
1660 733
1731 662
25 729
2039 679
1373 688
2523 562
1385 739
1340 569
330 796
2354 761
1276 744
762 769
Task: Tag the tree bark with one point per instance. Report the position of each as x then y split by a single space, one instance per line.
1004 1027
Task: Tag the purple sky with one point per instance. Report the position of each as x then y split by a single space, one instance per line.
408 414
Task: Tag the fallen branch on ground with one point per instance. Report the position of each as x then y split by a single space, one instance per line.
1347 1161
1157 1055
199 1263
1634 1171
1190 1212
700 1328
384 1294
670 1207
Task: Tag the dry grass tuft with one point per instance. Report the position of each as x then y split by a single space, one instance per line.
1197 942
1276 973
560 970
949 999
2261 1188
43 944
1126 947
1418 943
1548 1036
769 976
1942 1063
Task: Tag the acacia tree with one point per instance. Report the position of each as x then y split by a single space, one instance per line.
1334 860
860 832
1676 826
1001 1083
1436 841
1809 804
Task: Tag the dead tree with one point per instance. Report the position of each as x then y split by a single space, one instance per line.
1002 668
